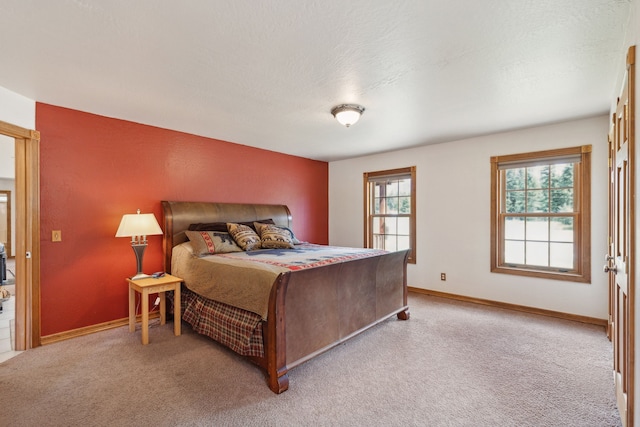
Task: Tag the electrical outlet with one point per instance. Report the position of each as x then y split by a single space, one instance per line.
443 276
56 236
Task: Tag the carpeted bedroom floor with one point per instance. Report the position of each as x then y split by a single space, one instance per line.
451 364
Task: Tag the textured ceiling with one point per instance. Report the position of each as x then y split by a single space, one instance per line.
266 74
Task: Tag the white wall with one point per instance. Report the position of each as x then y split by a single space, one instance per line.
7 157
453 215
20 111
17 109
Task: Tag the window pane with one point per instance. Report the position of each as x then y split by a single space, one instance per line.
562 200
378 241
538 229
404 187
561 230
515 179
376 206
562 255
514 228
383 205
404 242
513 252
405 205
392 205
376 189
392 188
537 254
390 243
537 201
537 177
514 202
391 226
376 224
562 175
403 225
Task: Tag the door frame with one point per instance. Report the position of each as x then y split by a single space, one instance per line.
27 250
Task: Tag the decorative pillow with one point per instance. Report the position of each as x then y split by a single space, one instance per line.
211 242
274 237
244 236
293 236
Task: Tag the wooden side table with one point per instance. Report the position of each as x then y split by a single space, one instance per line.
151 286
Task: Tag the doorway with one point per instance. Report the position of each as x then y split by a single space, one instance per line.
26 247
5 221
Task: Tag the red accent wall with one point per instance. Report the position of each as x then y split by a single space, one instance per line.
94 169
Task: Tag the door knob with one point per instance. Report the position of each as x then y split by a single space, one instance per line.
608 257
608 269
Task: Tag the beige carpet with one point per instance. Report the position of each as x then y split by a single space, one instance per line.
451 364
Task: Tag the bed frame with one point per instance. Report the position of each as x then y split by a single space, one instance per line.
311 310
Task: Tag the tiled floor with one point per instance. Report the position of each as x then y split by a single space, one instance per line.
7 329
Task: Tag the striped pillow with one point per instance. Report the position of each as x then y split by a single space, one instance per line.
273 237
244 236
211 242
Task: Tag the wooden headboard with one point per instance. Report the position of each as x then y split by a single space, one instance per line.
179 215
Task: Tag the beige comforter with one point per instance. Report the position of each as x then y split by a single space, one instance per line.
217 278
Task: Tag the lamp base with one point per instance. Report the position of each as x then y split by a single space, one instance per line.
138 249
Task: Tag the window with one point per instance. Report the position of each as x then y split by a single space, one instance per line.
390 210
540 214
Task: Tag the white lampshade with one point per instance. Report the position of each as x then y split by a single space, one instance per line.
347 114
138 225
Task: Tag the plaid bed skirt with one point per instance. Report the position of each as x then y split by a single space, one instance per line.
238 329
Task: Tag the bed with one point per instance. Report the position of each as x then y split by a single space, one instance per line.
304 311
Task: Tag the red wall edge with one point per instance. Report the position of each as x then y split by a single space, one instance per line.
94 169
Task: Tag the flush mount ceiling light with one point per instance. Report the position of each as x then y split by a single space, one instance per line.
347 114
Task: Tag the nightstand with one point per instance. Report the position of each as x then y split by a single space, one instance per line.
151 286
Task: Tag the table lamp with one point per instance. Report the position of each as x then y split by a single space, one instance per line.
138 226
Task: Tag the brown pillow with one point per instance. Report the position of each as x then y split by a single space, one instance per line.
211 242
222 226
244 236
209 226
274 237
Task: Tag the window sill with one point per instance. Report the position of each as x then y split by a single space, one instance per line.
567 277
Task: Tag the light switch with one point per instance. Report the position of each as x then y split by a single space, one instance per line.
56 236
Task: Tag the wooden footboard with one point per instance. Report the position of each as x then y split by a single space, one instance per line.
310 310
313 310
